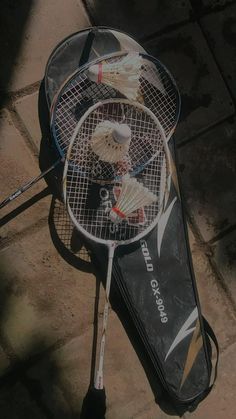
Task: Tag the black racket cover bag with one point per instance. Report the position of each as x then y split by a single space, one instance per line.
154 294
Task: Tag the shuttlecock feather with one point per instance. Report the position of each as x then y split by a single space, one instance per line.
152 75
133 195
110 141
122 75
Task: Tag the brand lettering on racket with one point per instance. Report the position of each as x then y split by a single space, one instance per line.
154 283
15 195
107 204
96 169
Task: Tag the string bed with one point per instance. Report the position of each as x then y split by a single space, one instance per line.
145 140
157 91
91 203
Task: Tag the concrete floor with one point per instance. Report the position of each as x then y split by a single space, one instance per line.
47 305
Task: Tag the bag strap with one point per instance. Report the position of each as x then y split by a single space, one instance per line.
87 47
212 338
211 335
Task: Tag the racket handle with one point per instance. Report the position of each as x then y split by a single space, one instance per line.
28 185
99 376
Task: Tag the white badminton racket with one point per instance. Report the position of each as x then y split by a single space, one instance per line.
157 91
89 202
145 133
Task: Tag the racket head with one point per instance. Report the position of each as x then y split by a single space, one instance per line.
66 56
79 93
146 136
89 203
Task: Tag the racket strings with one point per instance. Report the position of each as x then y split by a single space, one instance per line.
145 141
91 203
161 104
77 98
157 92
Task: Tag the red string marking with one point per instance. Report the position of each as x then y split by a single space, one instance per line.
119 212
99 72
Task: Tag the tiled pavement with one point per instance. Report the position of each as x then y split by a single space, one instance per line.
46 305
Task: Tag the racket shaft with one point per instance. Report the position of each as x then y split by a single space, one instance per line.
28 185
99 376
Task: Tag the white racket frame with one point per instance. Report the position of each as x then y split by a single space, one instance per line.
112 245
73 138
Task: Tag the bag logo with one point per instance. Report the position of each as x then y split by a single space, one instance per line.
154 283
195 344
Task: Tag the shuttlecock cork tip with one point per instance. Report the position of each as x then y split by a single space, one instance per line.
121 133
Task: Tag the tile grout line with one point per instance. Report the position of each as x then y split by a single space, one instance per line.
37 357
210 10
144 409
221 280
20 126
208 253
222 234
206 38
33 394
28 231
12 96
21 378
194 17
225 350
20 373
206 245
168 29
194 137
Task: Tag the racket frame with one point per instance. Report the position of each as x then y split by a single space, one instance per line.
67 162
113 244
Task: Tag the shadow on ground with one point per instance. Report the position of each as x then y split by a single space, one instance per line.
33 377
13 20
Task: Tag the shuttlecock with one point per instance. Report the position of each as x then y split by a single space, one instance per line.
133 195
122 75
110 141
